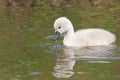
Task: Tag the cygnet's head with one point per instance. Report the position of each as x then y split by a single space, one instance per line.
61 26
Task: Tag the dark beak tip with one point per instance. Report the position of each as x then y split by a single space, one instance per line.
56 35
53 39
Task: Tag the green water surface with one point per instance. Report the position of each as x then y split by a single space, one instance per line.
28 53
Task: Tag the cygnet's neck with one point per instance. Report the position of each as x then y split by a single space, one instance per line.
70 36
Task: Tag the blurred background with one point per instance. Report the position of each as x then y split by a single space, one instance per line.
85 13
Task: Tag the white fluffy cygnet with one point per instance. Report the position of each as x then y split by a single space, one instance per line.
81 38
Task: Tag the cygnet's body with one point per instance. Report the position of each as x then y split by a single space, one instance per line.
81 38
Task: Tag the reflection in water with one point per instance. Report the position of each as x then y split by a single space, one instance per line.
35 73
66 61
64 66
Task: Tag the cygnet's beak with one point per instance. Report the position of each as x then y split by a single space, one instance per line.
56 35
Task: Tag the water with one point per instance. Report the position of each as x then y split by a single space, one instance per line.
28 59
29 53
97 62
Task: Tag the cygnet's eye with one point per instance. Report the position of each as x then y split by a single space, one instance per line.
59 27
